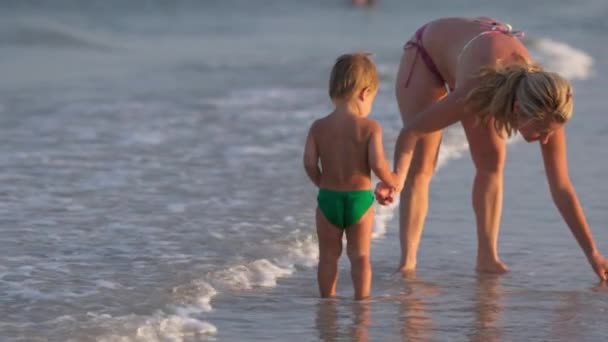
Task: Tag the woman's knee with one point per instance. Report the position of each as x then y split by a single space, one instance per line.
488 148
421 173
424 162
488 154
490 160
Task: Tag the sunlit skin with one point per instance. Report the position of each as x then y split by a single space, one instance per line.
348 146
552 138
532 129
426 108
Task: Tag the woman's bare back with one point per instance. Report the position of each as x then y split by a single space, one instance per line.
459 46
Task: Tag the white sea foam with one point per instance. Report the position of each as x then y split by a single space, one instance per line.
107 284
297 252
193 300
176 207
216 235
256 97
41 31
257 151
562 58
180 323
159 327
145 138
384 214
195 297
175 328
301 252
453 146
259 273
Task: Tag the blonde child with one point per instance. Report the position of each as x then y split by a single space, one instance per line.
348 146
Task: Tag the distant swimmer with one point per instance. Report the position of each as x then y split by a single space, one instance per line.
361 3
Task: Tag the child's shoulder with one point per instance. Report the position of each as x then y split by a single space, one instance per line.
371 124
320 121
316 125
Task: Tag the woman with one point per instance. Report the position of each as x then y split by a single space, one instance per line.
476 71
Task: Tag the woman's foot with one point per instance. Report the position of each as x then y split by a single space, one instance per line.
492 266
407 273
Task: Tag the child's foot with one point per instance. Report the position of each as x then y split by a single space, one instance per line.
494 266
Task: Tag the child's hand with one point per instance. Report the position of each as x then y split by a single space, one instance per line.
384 193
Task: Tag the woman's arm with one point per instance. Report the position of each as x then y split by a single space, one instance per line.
449 110
565 198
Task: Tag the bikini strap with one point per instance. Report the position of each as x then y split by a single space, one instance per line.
494 27
418 47
506 29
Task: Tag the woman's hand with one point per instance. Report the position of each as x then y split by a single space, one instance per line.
385 194
599 265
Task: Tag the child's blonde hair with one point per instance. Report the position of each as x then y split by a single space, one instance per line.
352 72
538 93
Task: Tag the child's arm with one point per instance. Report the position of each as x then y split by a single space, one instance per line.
377 161
311 158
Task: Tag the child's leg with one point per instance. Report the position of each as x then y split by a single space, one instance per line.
330 248
358 238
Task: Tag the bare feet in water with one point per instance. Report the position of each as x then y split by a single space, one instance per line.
407 273
493 266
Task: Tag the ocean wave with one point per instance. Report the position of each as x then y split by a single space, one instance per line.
158 327
453 146
262 98
182 321
45 33
560 57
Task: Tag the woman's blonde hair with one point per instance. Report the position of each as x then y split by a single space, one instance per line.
538 93
352 72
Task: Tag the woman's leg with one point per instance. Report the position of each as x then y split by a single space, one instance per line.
488 152
422 91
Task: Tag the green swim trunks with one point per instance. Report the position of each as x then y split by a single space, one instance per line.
344 208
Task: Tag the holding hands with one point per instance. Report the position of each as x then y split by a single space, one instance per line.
385 194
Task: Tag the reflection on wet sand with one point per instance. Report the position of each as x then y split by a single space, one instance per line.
417 323
565 323
414 318
487 309
422 312
361 320
328 321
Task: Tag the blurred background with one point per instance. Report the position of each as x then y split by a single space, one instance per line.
151 186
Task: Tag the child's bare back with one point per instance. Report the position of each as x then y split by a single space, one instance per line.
343 144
